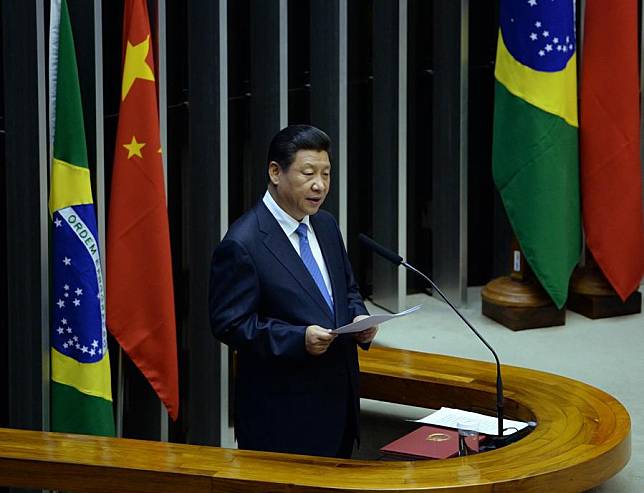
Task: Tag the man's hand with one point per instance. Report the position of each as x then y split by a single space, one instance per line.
318 339
367 335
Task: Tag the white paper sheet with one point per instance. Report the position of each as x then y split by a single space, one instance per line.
488 425
372 320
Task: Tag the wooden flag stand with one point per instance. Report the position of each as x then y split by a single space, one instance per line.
518 301
592 295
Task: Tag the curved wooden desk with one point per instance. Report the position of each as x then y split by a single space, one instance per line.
582 439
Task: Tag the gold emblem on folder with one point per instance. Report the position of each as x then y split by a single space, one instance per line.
437 437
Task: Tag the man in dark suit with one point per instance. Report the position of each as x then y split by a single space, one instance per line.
280 282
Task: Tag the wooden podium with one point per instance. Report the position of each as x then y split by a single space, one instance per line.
582 438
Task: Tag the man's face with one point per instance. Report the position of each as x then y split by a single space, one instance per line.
302 189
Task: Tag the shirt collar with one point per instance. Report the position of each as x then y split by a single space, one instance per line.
288 223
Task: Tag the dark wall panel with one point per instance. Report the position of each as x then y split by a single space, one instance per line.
301 41
265 93
201 212
419 147
385 178
446 147
4 315
360 138
482 252
22 195
325 88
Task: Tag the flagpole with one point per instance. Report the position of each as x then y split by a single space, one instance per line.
100 184
226 436
120 392
283 63
163 131
99 128
580 59
343 132
44 160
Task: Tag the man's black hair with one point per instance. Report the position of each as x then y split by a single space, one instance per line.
294 138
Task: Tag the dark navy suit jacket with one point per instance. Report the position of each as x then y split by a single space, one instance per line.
262 298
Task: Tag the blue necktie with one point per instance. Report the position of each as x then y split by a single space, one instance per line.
311 264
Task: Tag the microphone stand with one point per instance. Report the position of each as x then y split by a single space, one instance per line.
499 382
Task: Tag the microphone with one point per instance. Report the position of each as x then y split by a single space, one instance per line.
398 260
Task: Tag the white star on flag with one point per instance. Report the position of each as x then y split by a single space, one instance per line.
546 34
77 346
537 24
94 343
548 47
69 330
76 302
84 349
564 49
60 303
570 46
76 338
70 342
533 36
66 287
78 291
541 52
555 40
65 345
532 3
558 47
66 295
60 330
92 352
67 261
58 222
64 321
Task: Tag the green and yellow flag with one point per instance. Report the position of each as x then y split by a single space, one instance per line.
81 396
535 148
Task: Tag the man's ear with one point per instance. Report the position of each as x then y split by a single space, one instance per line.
274 172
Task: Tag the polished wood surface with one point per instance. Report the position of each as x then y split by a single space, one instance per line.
582 439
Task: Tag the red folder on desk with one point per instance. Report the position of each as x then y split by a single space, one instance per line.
427 442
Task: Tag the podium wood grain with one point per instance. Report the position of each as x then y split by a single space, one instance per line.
582 439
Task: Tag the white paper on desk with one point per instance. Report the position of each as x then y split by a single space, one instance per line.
488 425
372 320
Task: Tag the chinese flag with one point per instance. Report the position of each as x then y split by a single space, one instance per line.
611 182
140 299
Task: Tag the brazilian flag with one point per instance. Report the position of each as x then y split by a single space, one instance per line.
81 395
535 148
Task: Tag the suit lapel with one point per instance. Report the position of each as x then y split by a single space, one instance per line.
283 251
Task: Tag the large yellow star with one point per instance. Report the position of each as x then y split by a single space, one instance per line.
134 148
135 66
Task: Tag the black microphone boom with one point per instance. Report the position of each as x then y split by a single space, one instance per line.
398 260
394 258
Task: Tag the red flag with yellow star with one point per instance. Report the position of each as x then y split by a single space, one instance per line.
140 298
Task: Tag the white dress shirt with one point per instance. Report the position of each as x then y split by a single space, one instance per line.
289 225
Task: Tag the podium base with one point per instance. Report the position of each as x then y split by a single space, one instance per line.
519 305
602 306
